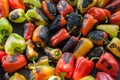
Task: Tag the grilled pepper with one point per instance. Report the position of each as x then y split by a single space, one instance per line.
87 24
15 44
49 9
102 3
17 16
83 67
72 2
84 5
83 46
96 13
65 66
17 76
36 16
2 54
114 46
64 7
103 76
40 36
54 78
108 64
89 77
12 63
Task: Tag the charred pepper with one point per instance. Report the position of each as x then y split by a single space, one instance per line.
2 54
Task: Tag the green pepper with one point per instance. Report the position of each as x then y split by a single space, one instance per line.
15 44
17 76
17 15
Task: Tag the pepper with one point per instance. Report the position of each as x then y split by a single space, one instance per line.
2 54
102 3
17 16
114 46
64 7
96 13
40 36
15 4
49 9
12 63
103 76
28 31
65 66
72 2
107 63
89 77
83 46
83 67
84 5
16 76
61 35
4 8
15 44
87 24
54 78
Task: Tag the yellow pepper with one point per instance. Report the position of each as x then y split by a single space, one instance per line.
89 77
17 76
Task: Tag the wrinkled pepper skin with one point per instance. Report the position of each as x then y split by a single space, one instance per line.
15 44
107 63
2 54
12 63
83 67
103 76
64 7
89 77
114 46
83 46
87 24
65 66
49 9
102 3
40 36
17 76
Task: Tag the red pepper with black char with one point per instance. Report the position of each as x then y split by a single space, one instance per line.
28 30
12 63
64 7
107 63
103 76
2 54
65 66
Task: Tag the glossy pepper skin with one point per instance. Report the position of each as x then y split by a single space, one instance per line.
17 76
49 9
64 7
12 63
83 67
87 24
61 35
2 54
83 46
28 30
102 3
103 76
65 66
96 13
107 63
89 77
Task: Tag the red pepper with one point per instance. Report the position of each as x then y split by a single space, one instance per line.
64 7
13 63
2 54
60 36
28 30
96 13
65 66
103 76
15 4
108 64
83 67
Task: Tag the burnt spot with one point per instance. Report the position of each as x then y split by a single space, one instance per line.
12 59
83 21
113 45
34 20
118 49
109 66
86 3
15 15
67 57
103 61
37 70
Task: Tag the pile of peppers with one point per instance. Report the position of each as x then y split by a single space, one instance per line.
61 39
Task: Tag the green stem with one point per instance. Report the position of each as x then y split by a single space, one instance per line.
95 58
63 74
57 53
32 78
106 41
79 35
17 49
38 44
72 29
106 19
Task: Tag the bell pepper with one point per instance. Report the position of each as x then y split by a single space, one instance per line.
36 16
89 77
102 3
84 5
2 54
12 63
49 9
83 67
83 46
114 46
103 76
15 4
65 66
98 37
4 8
40 36
15 44
87 24
53 53
96 13
72 2
54 78
61 35
17 16
64 7
107 63
17 76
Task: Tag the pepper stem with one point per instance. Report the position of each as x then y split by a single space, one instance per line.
94 58
57 53
106 41
63 74
17 49
32 78
79 35
72 29
106 19
38 44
